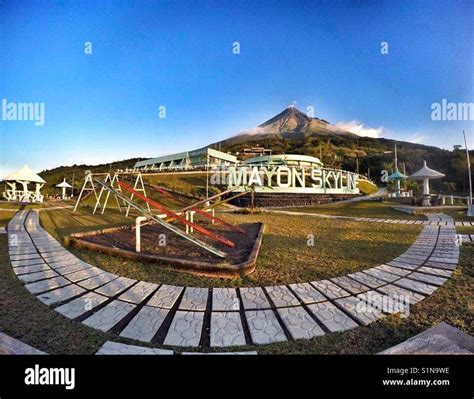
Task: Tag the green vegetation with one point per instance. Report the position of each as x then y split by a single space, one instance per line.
373 209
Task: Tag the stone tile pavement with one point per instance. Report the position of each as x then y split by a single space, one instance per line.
222 317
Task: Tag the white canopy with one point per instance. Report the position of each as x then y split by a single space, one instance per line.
64 184
426 172
24 174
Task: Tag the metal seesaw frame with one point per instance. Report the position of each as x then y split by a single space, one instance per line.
161 222
173 215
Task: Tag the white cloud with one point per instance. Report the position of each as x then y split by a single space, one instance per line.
416 138
360 129
255 130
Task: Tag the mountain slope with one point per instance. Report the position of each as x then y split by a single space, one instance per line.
291 120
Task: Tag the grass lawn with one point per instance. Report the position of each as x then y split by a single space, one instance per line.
373 209
465 230
25 318
459 216
5 216
340 247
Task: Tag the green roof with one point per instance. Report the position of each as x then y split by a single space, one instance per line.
397 176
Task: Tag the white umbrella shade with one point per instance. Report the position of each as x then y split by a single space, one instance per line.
64 184
24 174
426 172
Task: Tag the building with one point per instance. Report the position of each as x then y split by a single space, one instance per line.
299 161
188 160
20 185
253 152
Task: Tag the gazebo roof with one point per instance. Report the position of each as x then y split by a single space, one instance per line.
64 184
426 172
396 176
24 174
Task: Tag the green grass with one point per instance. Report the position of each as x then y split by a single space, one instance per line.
340 247
373 209
25 318
465 229
459 216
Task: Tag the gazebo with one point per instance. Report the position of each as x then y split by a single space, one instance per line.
23 177
64 185
426 174
397 177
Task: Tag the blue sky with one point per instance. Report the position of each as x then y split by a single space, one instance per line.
104 106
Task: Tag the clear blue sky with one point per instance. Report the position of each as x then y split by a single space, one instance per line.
105 106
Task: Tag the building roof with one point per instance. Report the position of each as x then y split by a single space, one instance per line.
187 155
64 184
24 174
282 159
426 172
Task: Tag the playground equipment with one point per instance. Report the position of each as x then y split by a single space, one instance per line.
108 184
204 213
366 186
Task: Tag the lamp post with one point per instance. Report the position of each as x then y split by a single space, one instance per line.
470 211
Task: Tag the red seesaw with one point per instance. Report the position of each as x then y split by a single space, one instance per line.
170 213
194 208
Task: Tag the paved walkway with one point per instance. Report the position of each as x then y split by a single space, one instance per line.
12 346
220 317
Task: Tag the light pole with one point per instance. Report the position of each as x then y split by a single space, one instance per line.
470 211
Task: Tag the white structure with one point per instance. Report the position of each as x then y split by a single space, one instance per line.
64 185
197 159
291 174
23 177
426 174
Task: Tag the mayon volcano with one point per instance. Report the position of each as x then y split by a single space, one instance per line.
292 120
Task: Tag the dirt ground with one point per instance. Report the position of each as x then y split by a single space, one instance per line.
157 240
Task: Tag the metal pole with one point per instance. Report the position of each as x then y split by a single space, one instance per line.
469 170
405 173
207 176
72 188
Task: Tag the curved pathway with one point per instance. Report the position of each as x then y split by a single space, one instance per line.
219 317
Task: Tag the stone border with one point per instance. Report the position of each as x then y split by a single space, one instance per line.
206 318
217 270
13 346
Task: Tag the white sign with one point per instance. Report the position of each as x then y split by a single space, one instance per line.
283 179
